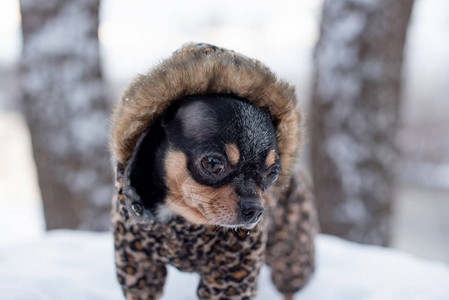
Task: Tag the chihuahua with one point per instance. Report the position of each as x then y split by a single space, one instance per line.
204 146
214 157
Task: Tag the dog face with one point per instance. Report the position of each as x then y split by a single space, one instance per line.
221 157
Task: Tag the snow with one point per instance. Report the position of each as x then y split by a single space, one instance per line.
10 39
279 33
68 264
22 213
282 34
432 175
59 72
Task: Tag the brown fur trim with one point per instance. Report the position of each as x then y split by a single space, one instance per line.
199 69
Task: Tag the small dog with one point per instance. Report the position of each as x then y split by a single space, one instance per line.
216 154
197 179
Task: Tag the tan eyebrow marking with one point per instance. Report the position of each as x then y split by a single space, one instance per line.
233 153
271 158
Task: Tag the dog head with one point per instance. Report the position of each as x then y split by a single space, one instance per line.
219 159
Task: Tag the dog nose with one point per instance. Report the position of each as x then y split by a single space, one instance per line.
250 211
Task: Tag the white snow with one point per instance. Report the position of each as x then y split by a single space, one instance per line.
279 33
432 175
79 265
10 38
20 204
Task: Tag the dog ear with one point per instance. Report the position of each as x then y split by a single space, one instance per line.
168 115
144 171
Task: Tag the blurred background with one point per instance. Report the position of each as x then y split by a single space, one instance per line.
371 76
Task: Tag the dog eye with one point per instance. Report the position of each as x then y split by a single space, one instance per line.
212 165
272 176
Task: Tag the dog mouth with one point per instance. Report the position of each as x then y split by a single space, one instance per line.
239 226
224 220
203 205
220 215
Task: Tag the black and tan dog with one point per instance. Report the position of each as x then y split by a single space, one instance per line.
200 143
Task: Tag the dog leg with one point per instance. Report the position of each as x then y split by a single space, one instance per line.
290 248
138 275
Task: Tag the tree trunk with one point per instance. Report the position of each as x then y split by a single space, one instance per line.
67 112
355 115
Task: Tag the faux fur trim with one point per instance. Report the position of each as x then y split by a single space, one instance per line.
197 69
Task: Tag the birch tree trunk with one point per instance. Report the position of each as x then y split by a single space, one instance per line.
66 109
355 115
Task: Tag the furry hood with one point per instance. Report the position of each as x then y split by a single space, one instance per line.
197 69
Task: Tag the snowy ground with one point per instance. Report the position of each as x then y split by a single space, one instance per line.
420 221
79 265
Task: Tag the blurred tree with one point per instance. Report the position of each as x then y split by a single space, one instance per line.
65 105
355 115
